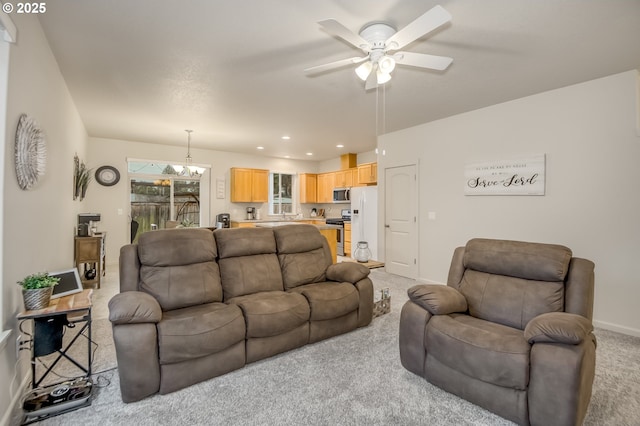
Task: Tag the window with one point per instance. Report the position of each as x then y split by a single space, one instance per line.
159 198
281 194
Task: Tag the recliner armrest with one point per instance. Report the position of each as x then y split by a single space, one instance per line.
558 327
134 307
350 272
438 299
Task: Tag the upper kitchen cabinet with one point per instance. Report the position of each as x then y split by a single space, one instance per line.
344 179
249 185
308 188
326 183
368 174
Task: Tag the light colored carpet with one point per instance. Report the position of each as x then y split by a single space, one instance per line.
354 379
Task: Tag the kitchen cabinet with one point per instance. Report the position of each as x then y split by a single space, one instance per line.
343 178
326 183
249 185
368 173
236 224
308 188
347 239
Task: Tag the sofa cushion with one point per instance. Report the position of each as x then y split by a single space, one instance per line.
180 286
272 313
197 331
486 351
250 274
175 247
297 238
177 267
507 300
329 300
302 254
532 261
235 242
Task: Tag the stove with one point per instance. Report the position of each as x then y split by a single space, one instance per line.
338 222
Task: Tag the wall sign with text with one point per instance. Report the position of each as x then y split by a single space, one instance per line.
521 176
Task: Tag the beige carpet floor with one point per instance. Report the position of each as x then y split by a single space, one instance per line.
353 379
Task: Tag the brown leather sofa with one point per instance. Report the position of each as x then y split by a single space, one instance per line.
195 304
511 331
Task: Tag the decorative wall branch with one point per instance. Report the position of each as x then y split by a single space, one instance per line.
81 178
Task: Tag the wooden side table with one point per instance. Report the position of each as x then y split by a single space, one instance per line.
79 304
89 254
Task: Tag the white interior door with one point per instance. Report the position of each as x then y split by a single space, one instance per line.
401 228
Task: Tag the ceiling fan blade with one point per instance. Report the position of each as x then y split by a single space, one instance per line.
426 23
422 60
333 65
337 29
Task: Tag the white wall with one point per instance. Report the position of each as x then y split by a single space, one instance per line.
588 133
107 200
37 224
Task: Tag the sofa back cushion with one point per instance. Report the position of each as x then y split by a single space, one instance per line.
303 253
510 282
248 261
178 267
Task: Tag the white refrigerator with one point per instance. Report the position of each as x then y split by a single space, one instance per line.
364 218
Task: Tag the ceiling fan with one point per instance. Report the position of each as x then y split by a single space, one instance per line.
379 41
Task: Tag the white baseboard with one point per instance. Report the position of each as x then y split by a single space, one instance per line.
617 328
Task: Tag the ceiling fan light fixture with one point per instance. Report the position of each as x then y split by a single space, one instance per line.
383 77
364 70
386 64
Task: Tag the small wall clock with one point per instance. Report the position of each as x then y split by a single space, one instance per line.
107 175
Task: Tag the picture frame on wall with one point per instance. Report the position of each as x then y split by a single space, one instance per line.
516 176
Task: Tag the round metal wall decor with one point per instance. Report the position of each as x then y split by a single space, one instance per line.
30 152
107 175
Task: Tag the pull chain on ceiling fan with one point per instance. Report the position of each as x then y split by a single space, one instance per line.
379 40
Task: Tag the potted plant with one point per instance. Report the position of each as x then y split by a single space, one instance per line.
37 289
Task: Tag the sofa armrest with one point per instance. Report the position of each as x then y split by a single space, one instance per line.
558 327
350 272
134 307
438 299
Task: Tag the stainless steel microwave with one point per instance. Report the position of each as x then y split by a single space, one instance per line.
341 195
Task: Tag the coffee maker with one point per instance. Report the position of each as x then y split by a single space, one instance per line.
86 223
251 213
223 220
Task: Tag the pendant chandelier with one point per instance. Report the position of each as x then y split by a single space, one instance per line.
188 169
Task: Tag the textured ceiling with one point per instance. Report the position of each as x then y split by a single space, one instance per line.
232 71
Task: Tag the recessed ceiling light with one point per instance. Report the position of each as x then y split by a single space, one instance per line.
340 146
286 138
309 153
260 147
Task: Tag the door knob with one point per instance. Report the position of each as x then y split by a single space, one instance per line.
386 226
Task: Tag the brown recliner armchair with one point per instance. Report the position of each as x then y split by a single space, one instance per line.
511 331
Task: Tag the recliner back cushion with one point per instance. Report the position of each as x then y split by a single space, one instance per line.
508 300
248 261
510 282
532 261
303 254
178 268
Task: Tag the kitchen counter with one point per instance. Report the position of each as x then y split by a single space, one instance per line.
272 224
276 219
330 232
